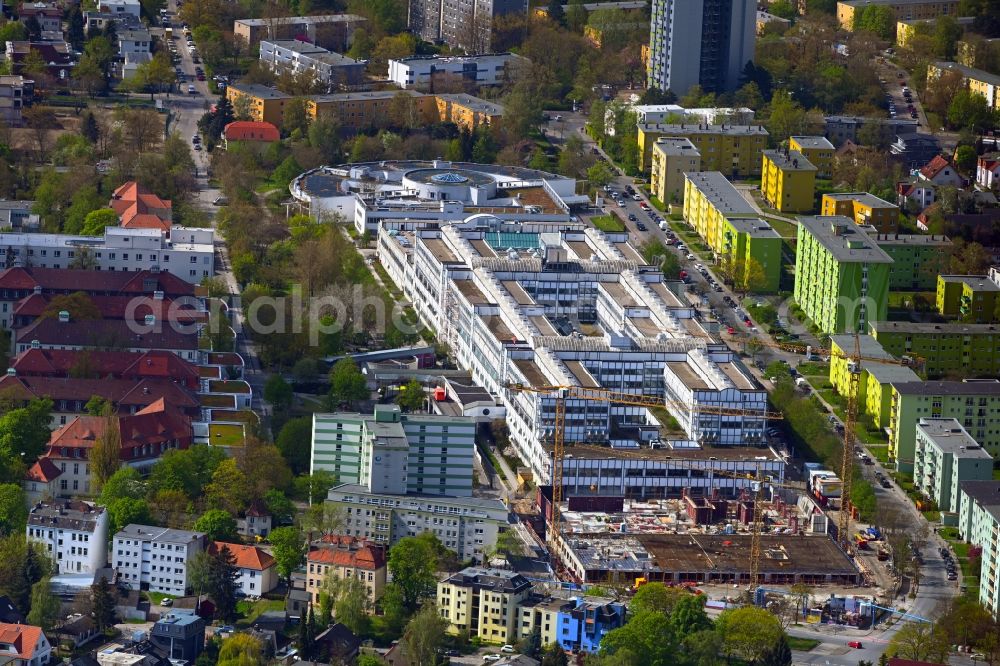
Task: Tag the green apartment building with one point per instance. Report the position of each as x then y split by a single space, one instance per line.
918 259
876 380
944 457
963 350
745 238
971 298
841 274
974 403
979 524
392 452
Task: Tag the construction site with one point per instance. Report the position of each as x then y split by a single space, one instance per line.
700 540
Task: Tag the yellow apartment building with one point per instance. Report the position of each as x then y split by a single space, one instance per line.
483 602
263 104
976 80
672 158
732 149
466 111
904 10
818 150
864 208
788 181
344 557
359 110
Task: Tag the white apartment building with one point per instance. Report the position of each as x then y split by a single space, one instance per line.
716 380
155 558
256 569
556 304
421 72
188 253
74 533
120 7
435 453
298 57
979 524
467 525
15 92
945 455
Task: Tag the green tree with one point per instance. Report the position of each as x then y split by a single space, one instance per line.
105 455
918 641
655 598
748 633
126 510
947 32
102 604
278 392
969 110
413 564
44 606
288 548
689 616
779 655
24 432
600 174
424 636
556 13
96 221
125 482
877 19
646 640
241 650
349 601
411 396
215 573
218 525
347 384
786 117
295 117
965 158
576 16
229 488
96 405
13 511
189 470
282 509
294 442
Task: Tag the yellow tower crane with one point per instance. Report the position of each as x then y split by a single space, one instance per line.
563 393
854 360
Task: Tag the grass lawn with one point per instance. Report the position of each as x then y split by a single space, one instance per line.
157 597
209 372
251 610
238 416
812 368
802 644
223 401
225 434
608 223
881 453
931 516
784 229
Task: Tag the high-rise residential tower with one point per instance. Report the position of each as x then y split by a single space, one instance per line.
700 42
465 24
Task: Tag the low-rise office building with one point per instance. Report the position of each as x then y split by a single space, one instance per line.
395 452
841 274
330 31
944 457
967 350
788 181
672 158
866 209
296 57
734 150
975 403
427 72
74 533
484 603
970 298
576 625
905 10
155 558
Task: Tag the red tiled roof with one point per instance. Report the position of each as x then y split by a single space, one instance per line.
137 207
62 362
157 425
934 167
68 280
248 130
125 393
23 637
118 307
367 556
258 509
43 470
247 557
106 333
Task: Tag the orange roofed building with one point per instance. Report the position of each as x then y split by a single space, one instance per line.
257 570
346 557
24 645
144 436
138 208
250 133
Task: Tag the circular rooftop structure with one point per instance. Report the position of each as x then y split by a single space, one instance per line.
449 177
320 183
451 184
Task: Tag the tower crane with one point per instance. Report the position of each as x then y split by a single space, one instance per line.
563 393
854 360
